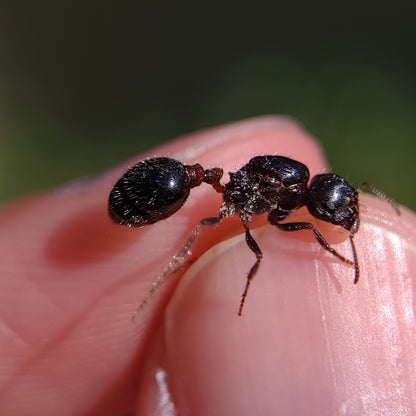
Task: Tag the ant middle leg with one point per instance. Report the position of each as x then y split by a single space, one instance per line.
254 247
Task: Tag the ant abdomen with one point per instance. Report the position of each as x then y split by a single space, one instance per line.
149 191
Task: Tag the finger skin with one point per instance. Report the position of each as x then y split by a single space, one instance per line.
71 281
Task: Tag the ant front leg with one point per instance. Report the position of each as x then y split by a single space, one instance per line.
297 226
254 247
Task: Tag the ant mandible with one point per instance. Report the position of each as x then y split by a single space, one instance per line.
156 188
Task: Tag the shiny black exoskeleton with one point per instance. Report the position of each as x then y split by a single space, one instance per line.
278 185
156 188
149 192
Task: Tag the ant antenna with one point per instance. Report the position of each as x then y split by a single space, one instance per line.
380 195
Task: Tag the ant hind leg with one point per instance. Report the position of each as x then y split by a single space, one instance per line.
177 260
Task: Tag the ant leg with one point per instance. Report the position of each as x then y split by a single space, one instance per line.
380 195
177 260
297 226
254 247
354 256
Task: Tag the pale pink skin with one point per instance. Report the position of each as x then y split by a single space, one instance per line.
310 342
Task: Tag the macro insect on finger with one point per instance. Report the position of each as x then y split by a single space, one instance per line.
156 188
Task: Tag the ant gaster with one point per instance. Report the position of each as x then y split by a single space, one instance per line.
156 188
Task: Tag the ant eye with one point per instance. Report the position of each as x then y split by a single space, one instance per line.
149 192
332 199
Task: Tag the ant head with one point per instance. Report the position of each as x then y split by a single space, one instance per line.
332 199
149 191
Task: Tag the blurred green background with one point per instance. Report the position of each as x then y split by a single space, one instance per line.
84 85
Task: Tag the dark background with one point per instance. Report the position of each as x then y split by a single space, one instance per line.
84 85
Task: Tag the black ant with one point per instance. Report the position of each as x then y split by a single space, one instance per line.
156 188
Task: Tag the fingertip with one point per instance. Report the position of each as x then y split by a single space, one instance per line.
216 357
